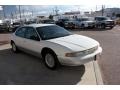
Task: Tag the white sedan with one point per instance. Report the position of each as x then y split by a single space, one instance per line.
55 45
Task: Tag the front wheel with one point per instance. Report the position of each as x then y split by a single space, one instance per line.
51 60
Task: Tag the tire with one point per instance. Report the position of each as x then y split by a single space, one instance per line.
82 26
51 60
14 47
72 25
111 27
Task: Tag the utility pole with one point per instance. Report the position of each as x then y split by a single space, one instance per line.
4 14
56 10
53 11
32 13
12 16
23 11
15 14
20 11
103 8
96 7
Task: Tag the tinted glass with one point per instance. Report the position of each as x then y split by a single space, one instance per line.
53 31
84 19
101 18
31 34
20 32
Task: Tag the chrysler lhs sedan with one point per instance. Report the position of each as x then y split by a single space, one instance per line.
55 45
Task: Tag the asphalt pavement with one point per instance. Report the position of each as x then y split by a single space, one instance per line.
109 63
25 69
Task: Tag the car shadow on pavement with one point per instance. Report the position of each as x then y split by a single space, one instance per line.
25 69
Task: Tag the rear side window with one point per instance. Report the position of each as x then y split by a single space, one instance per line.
21 32
32 34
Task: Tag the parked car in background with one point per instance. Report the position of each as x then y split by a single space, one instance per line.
103 22
72 24
15 25
56 45
61 22
86 22
48 21
29 22
117 21
4 27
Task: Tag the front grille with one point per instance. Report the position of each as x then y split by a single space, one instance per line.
111 22
90 23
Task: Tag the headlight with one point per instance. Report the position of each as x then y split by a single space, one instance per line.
80 53
74 54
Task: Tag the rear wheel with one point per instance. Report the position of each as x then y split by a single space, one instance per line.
14 47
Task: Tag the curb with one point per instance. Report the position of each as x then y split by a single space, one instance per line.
98 75
92 75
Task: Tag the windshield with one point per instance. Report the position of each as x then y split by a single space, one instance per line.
84 19
50 32
102 18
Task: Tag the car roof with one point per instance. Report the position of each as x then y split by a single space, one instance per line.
39 25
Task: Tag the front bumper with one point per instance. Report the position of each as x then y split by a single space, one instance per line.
110 25
91 25
76 61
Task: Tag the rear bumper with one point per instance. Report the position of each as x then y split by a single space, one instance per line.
76 61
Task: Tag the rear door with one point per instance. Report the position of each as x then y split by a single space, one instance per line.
19 38
32 42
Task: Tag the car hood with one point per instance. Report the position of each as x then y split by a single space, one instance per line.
109 20
75 42
89 21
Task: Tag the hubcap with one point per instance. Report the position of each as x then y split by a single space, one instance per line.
13 47
49 59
